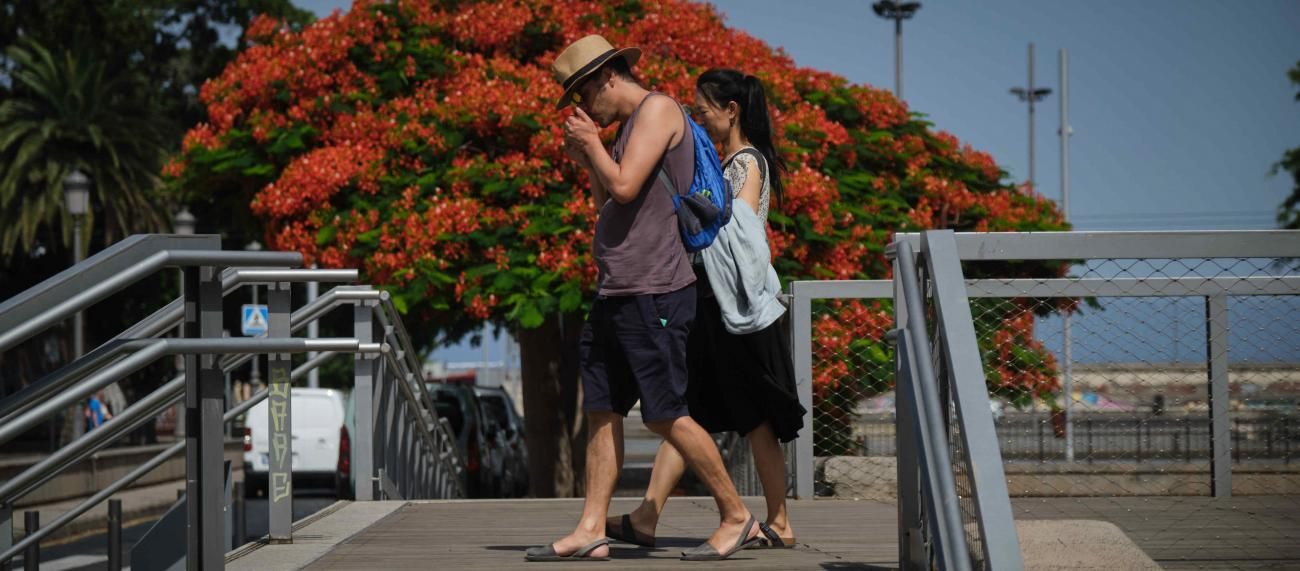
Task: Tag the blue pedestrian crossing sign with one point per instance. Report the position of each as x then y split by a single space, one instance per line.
254 322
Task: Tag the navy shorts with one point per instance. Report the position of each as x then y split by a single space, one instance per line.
634 348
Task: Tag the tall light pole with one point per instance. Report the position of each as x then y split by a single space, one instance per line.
1067 381
1032 95
76 198
897 11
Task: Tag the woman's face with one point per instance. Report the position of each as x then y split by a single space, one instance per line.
716 120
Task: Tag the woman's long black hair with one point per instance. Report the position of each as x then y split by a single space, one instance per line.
722 86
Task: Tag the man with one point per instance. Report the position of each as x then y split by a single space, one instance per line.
97 412
633 345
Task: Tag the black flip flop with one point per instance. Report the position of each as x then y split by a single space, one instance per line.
706 552
548 553
772 540
628 534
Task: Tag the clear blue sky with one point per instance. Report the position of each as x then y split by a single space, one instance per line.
1179 107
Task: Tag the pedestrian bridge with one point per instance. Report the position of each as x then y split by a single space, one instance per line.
942 498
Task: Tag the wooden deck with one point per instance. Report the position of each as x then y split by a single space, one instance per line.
489 534
1177 532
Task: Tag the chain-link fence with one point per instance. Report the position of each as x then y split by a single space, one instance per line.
1102 377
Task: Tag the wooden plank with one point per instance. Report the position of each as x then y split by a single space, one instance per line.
494 534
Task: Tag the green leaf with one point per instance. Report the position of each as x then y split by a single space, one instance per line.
529 316
326 235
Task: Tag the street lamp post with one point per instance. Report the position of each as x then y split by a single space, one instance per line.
1032 95
897 11
76 198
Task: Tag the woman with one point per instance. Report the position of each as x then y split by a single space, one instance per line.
738 382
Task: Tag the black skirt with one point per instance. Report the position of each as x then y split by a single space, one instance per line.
738 382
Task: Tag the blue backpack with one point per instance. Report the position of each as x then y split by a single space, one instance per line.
706 206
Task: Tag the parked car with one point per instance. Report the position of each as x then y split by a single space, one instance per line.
506 427
458 404
320 449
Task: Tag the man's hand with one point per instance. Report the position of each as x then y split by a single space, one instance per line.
581 131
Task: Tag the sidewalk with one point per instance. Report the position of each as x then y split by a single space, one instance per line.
138 505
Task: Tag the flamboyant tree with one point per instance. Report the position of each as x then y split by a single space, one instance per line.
417 140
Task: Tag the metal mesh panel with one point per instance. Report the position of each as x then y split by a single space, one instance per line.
853 402
1135 447
1139 424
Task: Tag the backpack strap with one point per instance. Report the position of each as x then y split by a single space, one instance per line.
663 170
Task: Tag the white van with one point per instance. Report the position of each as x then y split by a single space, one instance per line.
321 449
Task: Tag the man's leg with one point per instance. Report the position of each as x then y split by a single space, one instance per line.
701 454
602 475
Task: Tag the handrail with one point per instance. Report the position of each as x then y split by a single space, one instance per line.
149 350
171 393
19 330
154 325
1201 244
941 490
394 327
151 464
104 264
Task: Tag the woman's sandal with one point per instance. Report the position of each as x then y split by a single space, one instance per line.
773 540
584 554
706 552
627 533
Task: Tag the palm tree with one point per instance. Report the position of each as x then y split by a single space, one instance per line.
63 113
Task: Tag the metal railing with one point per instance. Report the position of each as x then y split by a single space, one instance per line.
421 462
1105 358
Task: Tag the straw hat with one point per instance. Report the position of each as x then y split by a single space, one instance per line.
584 57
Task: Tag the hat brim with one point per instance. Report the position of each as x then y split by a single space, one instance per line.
632 55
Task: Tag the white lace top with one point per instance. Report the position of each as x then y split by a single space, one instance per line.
737 170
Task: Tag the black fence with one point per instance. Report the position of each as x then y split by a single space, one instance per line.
1118 437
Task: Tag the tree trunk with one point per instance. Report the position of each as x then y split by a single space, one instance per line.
552 415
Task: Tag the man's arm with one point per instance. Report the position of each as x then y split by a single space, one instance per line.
658 123
598 193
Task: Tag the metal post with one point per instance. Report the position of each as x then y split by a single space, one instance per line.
898 58
1065 133
313 331
1042 453
1032 184
240 531
801 346
205 405
279 411
255 373
911 548
114 535
78 333
6 532
363 404
1067 387
32 556
1216 315
1089 426
1138 438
